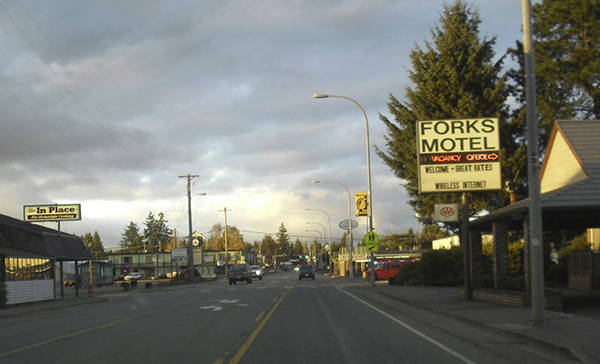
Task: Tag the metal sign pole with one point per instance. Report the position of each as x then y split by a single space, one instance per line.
62 283
464 242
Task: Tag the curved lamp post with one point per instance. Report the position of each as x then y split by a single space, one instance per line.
369 192
349 246
329 221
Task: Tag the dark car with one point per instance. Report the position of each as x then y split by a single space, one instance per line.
306 271
239 272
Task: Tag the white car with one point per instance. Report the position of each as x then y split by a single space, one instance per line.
133 276
256 272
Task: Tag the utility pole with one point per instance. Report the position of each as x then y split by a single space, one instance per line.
226 243
533 172
190 252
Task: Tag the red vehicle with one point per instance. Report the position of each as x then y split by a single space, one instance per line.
385 271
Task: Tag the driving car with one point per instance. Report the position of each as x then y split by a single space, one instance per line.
133 276
239 272
306 271
256 272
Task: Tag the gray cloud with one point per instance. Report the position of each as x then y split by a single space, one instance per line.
108 102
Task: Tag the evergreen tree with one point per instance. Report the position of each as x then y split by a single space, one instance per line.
131 238
567 64
156 232
567 51
94 244
283 241
343 241
454 76
298 247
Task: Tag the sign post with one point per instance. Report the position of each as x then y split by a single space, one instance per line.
372 245
58 213
459 155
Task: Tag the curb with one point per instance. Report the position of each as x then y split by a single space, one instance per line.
51 308
542 344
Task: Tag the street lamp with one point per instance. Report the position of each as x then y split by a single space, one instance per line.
329 221
369 192
202 245
350 247
323 226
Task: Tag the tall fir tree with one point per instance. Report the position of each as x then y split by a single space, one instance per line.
567 64
131 238
283 241
94 244
298 247
454 76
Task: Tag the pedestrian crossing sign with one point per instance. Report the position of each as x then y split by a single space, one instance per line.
372 241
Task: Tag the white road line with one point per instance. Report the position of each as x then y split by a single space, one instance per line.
411 329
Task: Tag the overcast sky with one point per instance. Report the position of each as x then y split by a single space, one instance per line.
106 103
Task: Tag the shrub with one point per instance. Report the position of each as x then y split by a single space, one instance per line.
436 268
409 274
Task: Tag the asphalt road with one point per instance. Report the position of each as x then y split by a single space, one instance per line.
276 320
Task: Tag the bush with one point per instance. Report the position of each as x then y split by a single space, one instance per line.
410 274
436 268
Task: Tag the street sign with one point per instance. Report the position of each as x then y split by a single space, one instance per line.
344 224
446 212
198 239
327 247
56 212
361 203
372 241
459 155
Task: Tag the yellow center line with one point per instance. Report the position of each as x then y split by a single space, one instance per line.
256 331
90 329
260 315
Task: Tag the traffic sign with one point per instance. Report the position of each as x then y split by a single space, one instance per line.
344 224
447 212
372 241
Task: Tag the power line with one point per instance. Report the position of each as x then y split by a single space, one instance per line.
67 90
290 235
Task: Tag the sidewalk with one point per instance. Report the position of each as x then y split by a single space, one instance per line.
566 334
101 294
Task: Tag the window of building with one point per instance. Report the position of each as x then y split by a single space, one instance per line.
18 269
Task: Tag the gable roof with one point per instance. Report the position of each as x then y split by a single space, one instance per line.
19 238
577 200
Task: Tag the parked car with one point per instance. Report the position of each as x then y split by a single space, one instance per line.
133 276
239 272
384 271
256 272
306 271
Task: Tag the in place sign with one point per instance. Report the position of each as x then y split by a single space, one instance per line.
459 155
52 212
